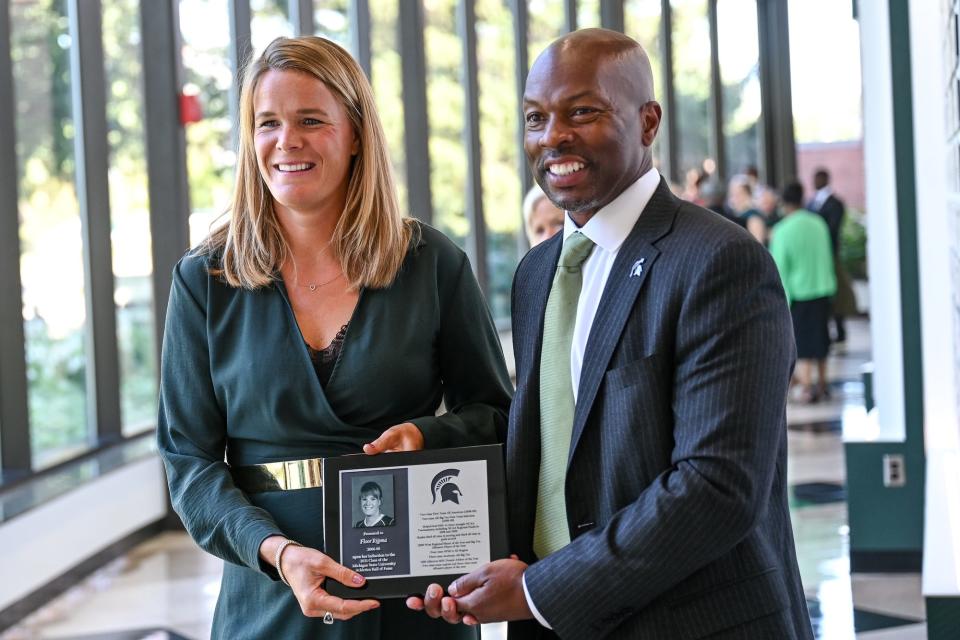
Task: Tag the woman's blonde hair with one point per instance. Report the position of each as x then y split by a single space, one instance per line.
371 237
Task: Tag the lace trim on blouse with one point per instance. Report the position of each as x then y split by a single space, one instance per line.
325 359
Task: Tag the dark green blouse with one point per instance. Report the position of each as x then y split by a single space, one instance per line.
238 388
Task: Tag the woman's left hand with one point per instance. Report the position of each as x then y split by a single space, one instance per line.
401 437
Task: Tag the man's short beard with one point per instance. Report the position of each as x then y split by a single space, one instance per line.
572 205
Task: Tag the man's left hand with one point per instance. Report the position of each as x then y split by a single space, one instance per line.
401 437
492 593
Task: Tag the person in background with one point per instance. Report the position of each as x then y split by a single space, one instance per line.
715 199
832 209
541 218
741 206
317 322
829 206
693 184
801 248
768 204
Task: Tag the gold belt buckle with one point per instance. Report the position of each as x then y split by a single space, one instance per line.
297 474
281 476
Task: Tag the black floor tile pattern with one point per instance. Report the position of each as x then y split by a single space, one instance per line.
862 620
818 493
821 426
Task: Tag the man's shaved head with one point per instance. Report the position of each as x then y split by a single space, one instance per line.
590 118
607 47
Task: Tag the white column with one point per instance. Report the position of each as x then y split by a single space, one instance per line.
937 207
883 255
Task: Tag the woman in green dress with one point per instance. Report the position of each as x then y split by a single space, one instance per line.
317 322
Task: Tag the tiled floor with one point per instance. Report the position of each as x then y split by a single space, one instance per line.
841 603
166 588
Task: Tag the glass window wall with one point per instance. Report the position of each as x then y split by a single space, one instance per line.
740 76
691 68
388 87
546 22
51 261
827 99
588 14
330 21
499 121
642 23
130 215
211 159
269 19
826 82
445 100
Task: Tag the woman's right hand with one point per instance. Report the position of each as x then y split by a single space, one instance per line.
306 570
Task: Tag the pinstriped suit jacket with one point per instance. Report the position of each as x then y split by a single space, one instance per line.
676 480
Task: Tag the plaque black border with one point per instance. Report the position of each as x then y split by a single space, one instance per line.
411 585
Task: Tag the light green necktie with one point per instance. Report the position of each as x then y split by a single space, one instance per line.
556 396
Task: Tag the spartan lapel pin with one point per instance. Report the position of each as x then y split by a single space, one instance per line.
637 267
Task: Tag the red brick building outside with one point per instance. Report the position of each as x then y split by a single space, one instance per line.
844 161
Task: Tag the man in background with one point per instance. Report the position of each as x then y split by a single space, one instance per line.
832 209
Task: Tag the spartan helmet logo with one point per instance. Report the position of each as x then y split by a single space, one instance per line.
443 483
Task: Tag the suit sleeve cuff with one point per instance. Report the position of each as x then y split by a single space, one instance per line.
533 607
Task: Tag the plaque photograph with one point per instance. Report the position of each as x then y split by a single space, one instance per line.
405 520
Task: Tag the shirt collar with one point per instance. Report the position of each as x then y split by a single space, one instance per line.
822 194
610 226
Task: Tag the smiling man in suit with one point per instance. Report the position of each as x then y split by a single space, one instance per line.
646 456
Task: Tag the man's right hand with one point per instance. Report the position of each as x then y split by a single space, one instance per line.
491 593
436 605
306 570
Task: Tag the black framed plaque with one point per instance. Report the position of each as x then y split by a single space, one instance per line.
406 520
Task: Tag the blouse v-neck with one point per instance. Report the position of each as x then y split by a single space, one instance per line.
325 360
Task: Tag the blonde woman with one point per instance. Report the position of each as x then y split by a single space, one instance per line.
317 322
542 219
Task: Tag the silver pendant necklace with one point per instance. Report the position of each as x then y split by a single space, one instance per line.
313 286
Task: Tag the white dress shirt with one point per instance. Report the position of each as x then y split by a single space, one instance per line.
608 228
819 197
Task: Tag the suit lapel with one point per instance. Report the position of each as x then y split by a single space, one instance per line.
630 271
